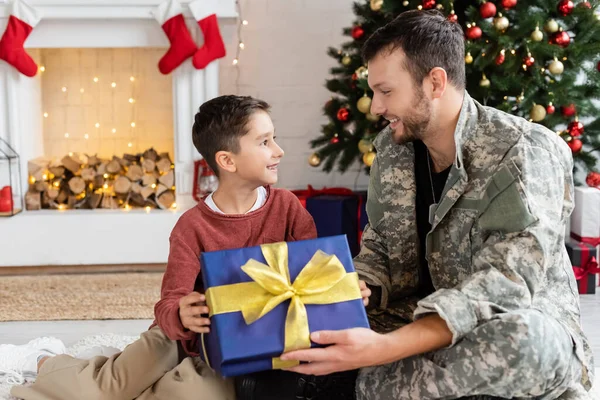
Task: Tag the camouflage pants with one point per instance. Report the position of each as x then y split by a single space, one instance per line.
515 355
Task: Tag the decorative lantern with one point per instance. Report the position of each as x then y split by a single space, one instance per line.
11 198
205 180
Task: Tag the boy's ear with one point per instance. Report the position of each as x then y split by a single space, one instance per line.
225 161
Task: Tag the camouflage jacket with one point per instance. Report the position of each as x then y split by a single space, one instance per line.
497 239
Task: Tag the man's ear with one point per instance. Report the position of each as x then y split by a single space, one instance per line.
225 161
439 82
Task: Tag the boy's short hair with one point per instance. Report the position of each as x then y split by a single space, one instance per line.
221 122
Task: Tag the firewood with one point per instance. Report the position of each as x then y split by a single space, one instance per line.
72 163
122 185
135 173
109 202
147 191
166 199
168 179
33 201
101 169
94 200
163 165
72 202
148 165
37 167
161 189
136 188
52 193
77 185
58 172
93 160
114 166
137 199
124 162
40 186
148 180
164 155
150 154
133 159
98 181
62 196
88 174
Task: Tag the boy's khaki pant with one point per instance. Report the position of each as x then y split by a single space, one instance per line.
147 369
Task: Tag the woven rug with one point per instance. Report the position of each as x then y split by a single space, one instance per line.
79 297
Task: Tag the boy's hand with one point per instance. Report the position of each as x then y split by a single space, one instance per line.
365 292
190 309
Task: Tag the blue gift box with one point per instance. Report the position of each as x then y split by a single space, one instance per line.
234 347
336 215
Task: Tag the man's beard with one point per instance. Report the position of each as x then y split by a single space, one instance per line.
415 125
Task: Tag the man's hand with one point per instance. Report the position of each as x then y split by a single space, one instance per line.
365 292
191 307
348 349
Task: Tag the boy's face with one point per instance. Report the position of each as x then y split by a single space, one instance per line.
259 155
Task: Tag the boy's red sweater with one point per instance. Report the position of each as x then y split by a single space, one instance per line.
281 218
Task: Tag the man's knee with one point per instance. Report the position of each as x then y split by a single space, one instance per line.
533 345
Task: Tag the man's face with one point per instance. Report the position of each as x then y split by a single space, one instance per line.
398 98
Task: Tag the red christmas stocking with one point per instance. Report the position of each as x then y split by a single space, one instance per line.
169 16
23 18
213 48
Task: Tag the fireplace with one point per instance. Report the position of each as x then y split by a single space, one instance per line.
39 119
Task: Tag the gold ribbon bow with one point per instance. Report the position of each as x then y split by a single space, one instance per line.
323 280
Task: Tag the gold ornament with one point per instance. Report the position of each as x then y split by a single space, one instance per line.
551 26
346 60
376 5
469 58
520 98
364 104
314 160
373 117
501 23
537 35
556 67
362 72
365 146
484 82
405 3
368 158
537 113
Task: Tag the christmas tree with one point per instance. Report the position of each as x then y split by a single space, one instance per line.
538 59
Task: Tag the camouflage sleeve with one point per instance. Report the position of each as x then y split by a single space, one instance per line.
511 264
372 263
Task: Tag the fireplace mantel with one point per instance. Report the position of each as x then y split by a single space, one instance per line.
98 24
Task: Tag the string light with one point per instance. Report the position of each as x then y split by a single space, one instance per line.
244 22
97 125
133 124
81 90
131 100
241 46
56 184
114 130
45 177
131 78
31 180
70 153
86 136
66 135
43 69
64 89
154 186
96 79
114 84
45 115
105 176
105 186
129 144
148 208
174 206
62 207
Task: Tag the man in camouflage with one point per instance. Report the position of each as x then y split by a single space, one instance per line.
484 304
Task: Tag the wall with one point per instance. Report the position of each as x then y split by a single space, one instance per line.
78 99
285 63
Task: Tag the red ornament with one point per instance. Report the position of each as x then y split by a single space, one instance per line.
6 191
334 140
452 17
474 33
565 7
6 204
529 61
357 32
428 4
343 114
508 4
575 145
500 58
487 10
561 38
568 111
598 66
550 109
593 179
354 77
585 4
575 129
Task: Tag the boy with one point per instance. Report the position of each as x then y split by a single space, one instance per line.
236 137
